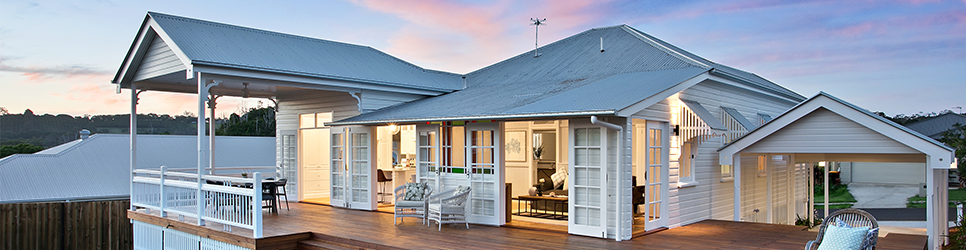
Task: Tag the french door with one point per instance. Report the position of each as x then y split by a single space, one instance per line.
427 155
656 176
587 205
352 168
484 173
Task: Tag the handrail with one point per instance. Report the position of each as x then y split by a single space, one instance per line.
228 205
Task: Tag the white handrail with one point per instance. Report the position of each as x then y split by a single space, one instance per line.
177 193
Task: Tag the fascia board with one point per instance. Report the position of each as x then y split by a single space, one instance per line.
309 82
730 82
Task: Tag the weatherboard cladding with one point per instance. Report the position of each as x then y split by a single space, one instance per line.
217 44
99 166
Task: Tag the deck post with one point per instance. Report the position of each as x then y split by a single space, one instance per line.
931 210
202 98
164 197
134 139
769 192
257 206
736 174
828 165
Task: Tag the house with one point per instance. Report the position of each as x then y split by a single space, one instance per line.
97 167
627 125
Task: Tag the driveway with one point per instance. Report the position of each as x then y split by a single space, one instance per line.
882 195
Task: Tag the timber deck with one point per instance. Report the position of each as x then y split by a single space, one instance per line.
309 226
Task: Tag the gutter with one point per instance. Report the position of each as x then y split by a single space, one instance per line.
478 117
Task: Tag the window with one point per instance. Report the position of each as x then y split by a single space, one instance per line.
726 173
686 165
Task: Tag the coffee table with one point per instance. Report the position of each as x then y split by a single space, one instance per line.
556 205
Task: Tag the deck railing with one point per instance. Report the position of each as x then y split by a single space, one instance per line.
178 193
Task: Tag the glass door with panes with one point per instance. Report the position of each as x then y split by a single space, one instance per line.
352 183
427 155
586 205
338 167
484 173
656 176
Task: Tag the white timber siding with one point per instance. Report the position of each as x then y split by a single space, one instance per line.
711 198
885 172
824 131
158 61
660 111
612 181
291 104
754 193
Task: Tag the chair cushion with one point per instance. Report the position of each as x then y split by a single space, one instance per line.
460 189
837 237
418 204
446 209
870 237
414 191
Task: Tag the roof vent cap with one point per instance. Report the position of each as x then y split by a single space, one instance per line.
84 134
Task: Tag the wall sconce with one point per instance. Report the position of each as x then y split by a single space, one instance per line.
245 92
677 130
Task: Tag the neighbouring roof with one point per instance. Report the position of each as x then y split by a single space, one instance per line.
934 127
99 166
224 45
570 77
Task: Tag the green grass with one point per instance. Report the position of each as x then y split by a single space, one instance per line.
955 196
837 194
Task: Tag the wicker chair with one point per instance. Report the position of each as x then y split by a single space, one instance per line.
448 207
404 208
855 218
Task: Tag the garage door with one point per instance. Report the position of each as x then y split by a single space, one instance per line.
891 173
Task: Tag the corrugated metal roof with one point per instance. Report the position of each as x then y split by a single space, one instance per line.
740 118
219 44
764 117
705 116
99 166
934 127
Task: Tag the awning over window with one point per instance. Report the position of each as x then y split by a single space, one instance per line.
697 124
705 116
740 118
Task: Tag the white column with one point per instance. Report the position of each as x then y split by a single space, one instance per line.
811 192
202 98
736 174
211 134
134 140
827 166
768 191
931 207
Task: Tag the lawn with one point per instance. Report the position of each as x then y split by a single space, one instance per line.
837 194
955 196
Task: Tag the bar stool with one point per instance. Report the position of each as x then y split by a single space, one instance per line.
382 179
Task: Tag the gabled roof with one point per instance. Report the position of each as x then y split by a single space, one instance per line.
571 77
99 166
934 127
823 101
223 45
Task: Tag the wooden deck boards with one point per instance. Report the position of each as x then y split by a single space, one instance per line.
377 231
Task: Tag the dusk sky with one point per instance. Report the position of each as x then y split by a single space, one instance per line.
905 57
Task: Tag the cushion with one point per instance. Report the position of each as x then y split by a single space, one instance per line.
417 204
459 189
870 237
837 237
558 179
414 191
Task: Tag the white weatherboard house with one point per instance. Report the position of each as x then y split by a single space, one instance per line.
627 125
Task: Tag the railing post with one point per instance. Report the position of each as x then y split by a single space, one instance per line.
257 205
164 196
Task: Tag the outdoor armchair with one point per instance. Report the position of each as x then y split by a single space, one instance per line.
853 218
404 208
449 207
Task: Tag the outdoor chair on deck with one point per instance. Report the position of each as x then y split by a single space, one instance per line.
449 207
844 227
410 208
269 196
281 191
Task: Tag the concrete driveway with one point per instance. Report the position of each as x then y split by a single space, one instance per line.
882 195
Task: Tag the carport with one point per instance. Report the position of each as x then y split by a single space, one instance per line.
827 129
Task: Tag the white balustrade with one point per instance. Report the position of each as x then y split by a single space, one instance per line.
227 204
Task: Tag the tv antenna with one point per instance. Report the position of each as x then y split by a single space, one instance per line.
536 23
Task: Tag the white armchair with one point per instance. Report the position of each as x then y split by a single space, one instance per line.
449 207
404 208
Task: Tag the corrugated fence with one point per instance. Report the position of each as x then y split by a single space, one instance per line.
66 225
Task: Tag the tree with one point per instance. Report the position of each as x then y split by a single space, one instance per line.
255 122
956 138
22 148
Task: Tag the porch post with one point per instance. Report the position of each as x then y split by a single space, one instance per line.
202 98
134 140
931 207
736 174
768 190
211 134
825 187
811 192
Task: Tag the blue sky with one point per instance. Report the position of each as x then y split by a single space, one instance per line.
892 56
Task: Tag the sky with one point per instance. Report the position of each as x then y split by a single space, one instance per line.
898 57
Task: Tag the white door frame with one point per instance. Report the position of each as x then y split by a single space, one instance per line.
337 167
657 203
428 155
358 169
486 201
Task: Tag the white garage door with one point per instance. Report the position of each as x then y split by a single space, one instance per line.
892 173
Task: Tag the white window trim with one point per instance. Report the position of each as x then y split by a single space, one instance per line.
688 149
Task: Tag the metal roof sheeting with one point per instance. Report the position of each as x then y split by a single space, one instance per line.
934 127
99 165
219 44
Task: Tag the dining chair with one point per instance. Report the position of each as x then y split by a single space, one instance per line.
280 186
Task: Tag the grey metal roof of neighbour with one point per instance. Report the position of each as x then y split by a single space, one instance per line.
934 127
218 44
570 77
98 167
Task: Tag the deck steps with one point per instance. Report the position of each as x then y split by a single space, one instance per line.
314 244
322 241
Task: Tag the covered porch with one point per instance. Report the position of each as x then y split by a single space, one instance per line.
827 129
308 225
